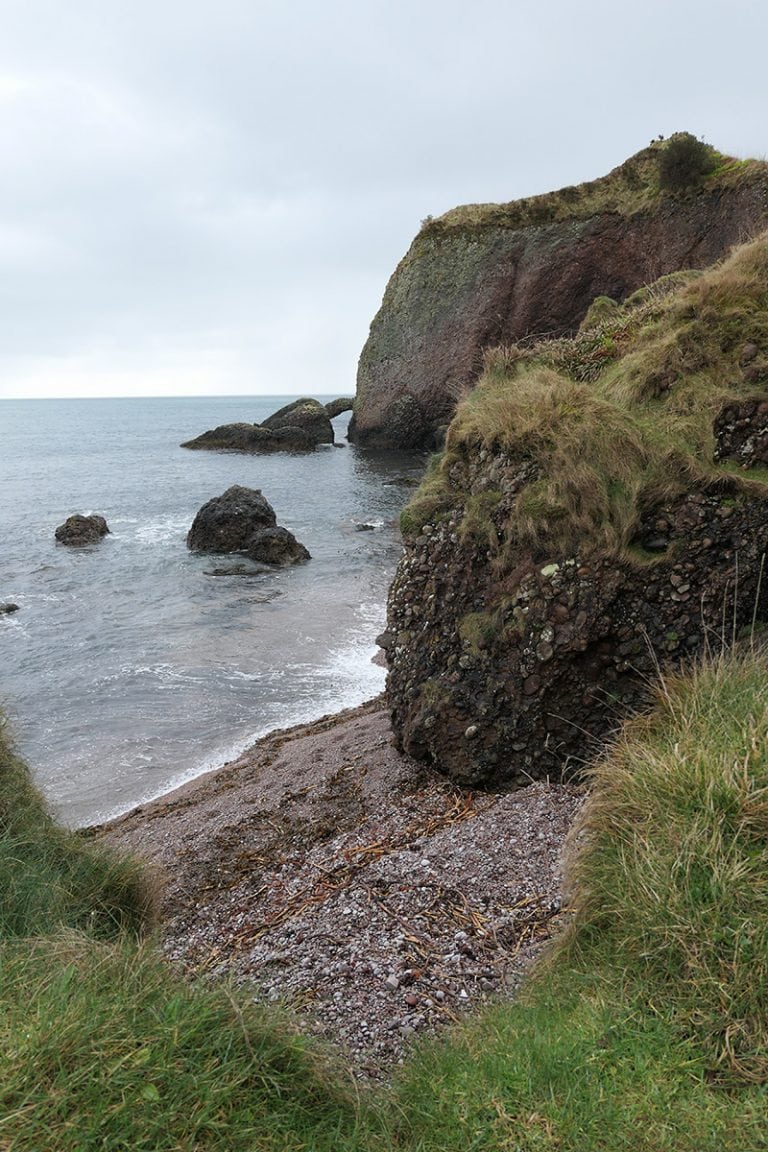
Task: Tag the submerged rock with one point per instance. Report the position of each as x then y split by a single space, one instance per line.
78 530
483 275
242 520
600 512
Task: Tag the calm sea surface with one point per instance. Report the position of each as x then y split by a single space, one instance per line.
131 666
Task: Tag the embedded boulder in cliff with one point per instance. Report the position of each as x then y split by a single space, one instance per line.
600 511
242 520
489 274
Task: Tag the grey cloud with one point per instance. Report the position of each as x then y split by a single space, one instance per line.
211 195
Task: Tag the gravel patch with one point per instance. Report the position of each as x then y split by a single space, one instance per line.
325 869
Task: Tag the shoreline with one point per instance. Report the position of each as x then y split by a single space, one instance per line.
224 760
328 870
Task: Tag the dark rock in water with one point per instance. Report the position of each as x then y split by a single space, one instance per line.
276 546
7 608
298 427
407 425
292 438
243 520
253 438
78 530
227 523
307 414
335 408
235 570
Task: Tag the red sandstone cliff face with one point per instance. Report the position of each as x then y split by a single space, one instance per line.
496 274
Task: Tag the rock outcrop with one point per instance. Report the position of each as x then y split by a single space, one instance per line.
242 520
298 427
78 530
486 275
307 414
252 438
600 511
7 608
335 408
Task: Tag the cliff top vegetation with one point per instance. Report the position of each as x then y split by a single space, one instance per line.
622 416
679 166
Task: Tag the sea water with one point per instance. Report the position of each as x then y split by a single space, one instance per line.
133 664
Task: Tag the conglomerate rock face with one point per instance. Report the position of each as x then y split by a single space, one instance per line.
600 512
500 684
493 274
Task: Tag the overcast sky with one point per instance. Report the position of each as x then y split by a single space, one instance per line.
209 196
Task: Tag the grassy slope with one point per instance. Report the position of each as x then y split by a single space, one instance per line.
101 1045
619 417
646 1029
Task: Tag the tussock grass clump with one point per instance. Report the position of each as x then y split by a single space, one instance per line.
589 454
620 417
103 1045
52 878
671 867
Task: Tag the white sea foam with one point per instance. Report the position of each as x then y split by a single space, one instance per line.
352 678
161 530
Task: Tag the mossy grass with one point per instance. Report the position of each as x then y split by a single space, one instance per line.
619 418
634 186
103 1046
430 499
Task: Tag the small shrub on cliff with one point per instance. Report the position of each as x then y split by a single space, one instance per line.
684 161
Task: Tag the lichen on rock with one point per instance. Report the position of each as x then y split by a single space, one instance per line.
600 510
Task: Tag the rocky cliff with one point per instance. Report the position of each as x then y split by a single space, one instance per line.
488 274
600 510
